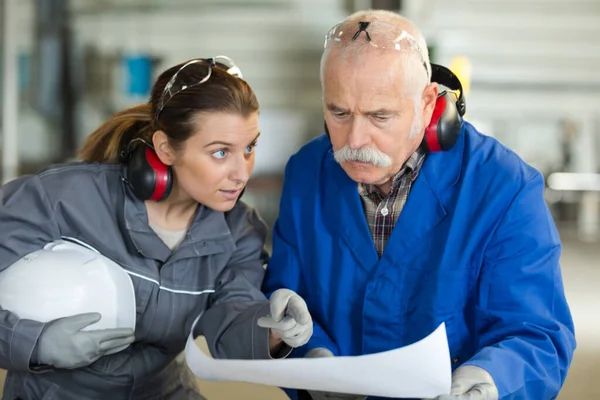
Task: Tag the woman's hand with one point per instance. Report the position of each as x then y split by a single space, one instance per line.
289 321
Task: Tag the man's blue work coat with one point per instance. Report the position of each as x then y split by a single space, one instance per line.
475 247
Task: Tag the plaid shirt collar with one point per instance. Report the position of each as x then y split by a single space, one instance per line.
413 164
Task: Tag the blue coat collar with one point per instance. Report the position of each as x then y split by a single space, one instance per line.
424 209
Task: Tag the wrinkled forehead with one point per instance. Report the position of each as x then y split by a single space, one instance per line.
364 85
371 35
379 72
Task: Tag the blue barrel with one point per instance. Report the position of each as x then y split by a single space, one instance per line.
138 75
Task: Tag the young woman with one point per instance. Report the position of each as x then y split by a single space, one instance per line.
157 192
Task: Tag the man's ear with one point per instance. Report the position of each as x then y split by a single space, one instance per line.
163 149
428 99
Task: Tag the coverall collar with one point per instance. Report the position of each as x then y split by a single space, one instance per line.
207 234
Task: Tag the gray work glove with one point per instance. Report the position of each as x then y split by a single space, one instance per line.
323 352
289 318
63 344
471 383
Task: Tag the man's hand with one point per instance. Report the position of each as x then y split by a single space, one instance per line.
322 352
471 383
289 318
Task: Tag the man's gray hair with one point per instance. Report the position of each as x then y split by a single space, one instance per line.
416 75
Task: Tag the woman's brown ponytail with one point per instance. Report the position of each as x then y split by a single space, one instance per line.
105 143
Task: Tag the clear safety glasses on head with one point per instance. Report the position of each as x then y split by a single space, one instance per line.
378 34
180 82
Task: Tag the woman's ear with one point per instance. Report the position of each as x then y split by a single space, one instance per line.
163 149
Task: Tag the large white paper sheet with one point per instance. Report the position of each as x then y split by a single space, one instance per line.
420 370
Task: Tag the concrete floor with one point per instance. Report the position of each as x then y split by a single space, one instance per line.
581 272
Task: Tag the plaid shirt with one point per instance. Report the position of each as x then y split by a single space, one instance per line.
383 211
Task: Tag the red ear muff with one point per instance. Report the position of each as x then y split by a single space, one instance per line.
431 141
148 177
161 175
445 126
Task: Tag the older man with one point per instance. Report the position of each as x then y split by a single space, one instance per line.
386 239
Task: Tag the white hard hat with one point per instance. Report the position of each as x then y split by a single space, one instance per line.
65 279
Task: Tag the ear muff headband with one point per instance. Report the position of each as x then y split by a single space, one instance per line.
444 76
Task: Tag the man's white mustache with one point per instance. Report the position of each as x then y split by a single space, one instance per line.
364 154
